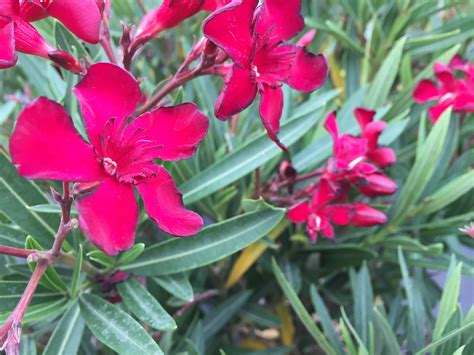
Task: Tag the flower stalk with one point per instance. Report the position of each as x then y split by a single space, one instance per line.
10 332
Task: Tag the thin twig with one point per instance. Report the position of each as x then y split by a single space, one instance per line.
19 253
10 332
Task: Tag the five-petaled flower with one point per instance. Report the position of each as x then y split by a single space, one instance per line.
83 18
451 91
121 154
359 160
324 211
253 36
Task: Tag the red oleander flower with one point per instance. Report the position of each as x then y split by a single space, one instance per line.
323 212
253 36
319 215
120 155
170 14
83 18
449 91
358 160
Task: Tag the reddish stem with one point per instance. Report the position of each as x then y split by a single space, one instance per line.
10 332
19 253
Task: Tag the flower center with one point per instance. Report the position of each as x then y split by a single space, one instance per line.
356 161
110 166
255 70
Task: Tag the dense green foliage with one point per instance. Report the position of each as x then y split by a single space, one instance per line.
372 291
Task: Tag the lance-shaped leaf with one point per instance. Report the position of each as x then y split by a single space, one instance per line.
213 243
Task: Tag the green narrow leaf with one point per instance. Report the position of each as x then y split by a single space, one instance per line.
216 319
11 237
416 315
145 306
385 333
28 346
464 329
116 328
385 77
446 195
449 298
213 243
244 160
423 169
40 311
130 255
362 348
76 275
11 292
177 285
51 278
17 195
67 335
301 312
363 297
325 319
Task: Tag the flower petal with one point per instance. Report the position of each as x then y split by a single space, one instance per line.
364 116
178 129
8 55
383 157
437 110
109 215
339 214
164 204
107 91
308 72
238 93
231 29
366 216
28 40
271 109
299 213
324 194
82 18
9 7
425 91
170 14
372 132
45 145
282 17
32 10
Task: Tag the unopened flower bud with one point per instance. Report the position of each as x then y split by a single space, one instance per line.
366 216
66 61
286 170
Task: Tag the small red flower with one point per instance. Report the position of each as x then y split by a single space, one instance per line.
358 160
170 14
319 216
468 229
451 91
253 37
120 156
83 18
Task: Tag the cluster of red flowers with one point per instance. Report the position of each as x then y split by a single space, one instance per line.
244 43
356 161
455 88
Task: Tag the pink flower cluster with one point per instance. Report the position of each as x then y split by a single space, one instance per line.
356 162
454 88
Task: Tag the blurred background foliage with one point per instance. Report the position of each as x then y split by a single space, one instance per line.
373 291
